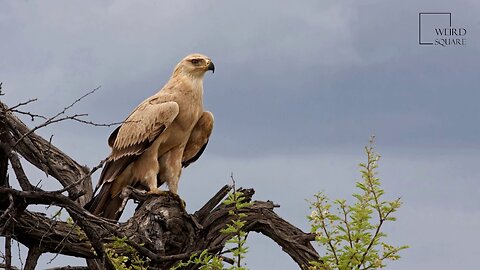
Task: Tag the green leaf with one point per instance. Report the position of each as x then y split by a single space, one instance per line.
350 234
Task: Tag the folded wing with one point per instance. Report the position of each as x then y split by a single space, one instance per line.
198 139
128 142
136 134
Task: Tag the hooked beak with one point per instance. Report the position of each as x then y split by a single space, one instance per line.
211 67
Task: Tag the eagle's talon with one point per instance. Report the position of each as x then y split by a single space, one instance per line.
182 202
175 196
157 192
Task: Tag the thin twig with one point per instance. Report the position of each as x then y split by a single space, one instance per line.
19 255
97 124
93 170
32 115
54 119
233 181
6 213
22 104
38 184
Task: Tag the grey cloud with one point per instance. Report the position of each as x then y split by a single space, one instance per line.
299 88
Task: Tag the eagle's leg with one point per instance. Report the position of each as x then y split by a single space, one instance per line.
170 170
154 187
173 189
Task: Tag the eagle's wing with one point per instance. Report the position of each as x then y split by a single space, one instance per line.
130 140
136 134
198 139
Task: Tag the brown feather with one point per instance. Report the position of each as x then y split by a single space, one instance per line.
198 139
113 168
97 204
147 121
104 205
113 137
197 156
137 148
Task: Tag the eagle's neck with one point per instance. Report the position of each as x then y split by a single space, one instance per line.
188 85
197 88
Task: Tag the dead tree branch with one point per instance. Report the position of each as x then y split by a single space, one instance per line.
160 229
45 156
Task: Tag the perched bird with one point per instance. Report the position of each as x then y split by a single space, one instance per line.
166 132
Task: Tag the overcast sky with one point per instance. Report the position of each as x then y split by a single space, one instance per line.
299 87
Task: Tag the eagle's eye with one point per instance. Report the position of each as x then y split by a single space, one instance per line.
195 61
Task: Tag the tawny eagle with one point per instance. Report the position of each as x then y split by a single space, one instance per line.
166 132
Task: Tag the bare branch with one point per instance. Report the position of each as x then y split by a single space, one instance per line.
54 119
22 104
45 156
96 124
32 258
32 115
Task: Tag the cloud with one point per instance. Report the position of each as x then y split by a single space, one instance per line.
299 88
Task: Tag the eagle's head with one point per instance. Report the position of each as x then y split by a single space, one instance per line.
195 65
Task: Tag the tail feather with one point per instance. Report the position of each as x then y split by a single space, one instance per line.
104 205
